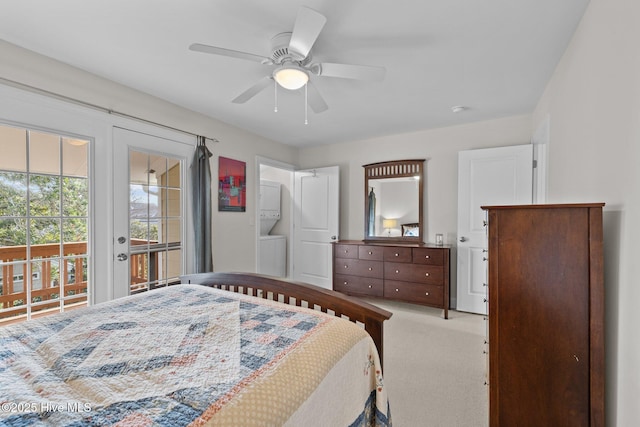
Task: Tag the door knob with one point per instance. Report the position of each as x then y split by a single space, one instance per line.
463 239
122 239
122 257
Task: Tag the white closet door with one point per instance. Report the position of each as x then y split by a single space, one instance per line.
493 176
316 224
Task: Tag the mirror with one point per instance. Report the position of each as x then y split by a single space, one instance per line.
393 200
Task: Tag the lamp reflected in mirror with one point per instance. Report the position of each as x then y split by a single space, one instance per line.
388 224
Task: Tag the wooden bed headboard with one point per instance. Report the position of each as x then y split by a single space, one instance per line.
297 293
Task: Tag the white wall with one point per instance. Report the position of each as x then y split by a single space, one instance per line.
439 146
233 233
593 101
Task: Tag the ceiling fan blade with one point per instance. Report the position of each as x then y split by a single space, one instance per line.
197 47
306 30
315 100
253 90
358 72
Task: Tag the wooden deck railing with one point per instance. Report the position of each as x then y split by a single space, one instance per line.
13 299
43 255
143 265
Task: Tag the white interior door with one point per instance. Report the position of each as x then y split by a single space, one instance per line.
152 210
316 224
493 176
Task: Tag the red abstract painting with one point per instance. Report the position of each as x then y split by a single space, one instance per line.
232 185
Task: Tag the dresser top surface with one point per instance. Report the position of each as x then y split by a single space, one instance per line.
394 244
546 206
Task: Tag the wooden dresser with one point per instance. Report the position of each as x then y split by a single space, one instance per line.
546 315
412 273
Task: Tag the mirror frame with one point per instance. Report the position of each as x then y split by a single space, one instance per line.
394 169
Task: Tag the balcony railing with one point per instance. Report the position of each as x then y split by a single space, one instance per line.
14 292
46 297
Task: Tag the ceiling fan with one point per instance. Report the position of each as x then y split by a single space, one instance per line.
291 54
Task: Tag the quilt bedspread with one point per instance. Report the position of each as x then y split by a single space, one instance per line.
190 355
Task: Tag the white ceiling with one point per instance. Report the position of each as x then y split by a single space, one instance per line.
492 56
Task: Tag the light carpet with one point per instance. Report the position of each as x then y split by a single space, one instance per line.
435 369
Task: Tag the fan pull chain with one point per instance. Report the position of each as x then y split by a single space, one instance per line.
275 96
306 122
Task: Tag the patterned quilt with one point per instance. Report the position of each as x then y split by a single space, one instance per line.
190 355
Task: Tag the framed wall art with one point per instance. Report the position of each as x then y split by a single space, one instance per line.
232 185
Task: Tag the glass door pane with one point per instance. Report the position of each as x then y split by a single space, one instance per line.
155 220
44 227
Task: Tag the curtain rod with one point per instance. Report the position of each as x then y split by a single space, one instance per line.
38 90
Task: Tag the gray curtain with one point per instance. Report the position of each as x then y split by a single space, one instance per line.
201 183
372 213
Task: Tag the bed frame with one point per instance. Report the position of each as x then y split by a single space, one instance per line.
301 295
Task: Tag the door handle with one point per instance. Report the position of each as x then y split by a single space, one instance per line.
122 257
334 237
463 239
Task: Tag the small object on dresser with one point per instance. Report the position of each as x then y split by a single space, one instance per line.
439 239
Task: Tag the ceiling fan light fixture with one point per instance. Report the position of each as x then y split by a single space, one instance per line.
291 76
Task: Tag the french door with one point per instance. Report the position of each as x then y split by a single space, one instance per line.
152 210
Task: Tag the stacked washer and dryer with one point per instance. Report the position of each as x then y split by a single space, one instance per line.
273 248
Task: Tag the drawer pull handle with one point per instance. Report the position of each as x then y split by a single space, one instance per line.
397 254
346 266
397 271
426 274
369 286
370 253
396 289
426 293
370 268
427 256
346 251
346 283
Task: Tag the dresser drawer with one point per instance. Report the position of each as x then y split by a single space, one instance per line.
420 273
428 256
358 285
414 292
397 254
346 251
372 253
358 267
